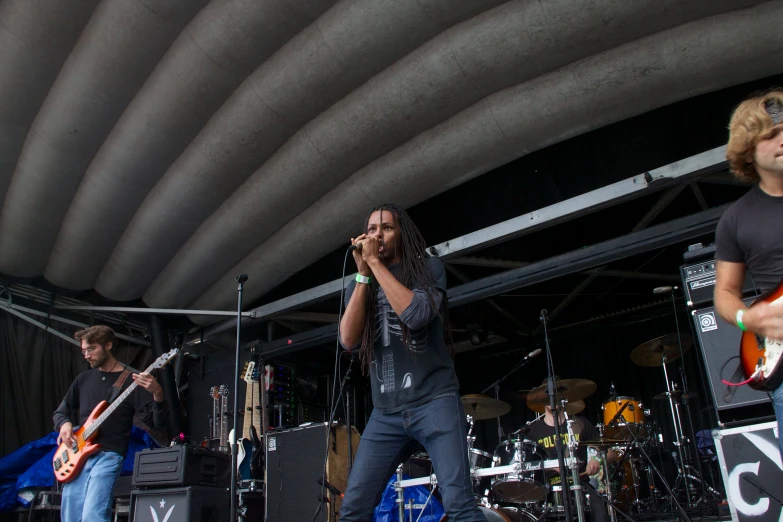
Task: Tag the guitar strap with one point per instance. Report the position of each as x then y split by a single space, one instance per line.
116 388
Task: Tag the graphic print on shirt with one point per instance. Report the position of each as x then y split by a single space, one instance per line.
387 324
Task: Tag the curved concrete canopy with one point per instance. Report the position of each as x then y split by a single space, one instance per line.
211 57
343 49
512 43
176 145
617 84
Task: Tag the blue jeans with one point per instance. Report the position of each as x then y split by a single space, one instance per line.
88 497
388 440
777 404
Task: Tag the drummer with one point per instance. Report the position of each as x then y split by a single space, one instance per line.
543 432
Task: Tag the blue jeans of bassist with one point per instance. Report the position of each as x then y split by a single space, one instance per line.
88 497
389 439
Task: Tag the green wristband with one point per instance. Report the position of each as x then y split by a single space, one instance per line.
740 313
363 279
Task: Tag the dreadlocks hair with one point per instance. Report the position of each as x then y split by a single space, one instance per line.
413 273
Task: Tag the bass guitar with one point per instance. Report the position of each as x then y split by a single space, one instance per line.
760 357
68 461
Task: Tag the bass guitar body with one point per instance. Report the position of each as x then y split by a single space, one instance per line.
760 357
68 461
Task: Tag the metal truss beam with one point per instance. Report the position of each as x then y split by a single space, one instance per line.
65 320
681 171
577 261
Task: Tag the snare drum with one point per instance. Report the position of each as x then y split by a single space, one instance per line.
632 416
522 486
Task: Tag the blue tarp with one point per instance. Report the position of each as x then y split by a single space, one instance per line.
30 467
386 511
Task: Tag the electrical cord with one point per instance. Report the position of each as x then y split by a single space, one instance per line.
334 386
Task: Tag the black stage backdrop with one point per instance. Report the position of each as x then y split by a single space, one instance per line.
36 369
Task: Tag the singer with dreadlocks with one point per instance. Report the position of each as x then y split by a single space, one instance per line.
396 315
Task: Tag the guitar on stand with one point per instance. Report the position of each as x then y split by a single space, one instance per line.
68 461
223 393
213 438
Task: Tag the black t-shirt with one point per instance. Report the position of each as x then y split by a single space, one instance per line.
751 232
401 379
544 434
89 388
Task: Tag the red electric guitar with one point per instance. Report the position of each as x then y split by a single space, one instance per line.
760 358
68 461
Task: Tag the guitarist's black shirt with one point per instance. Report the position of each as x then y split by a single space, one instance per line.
89 388
751 232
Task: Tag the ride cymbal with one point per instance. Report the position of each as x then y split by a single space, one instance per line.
570 389
650 353
482 407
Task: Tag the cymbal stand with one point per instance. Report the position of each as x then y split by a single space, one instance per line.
471 437
679 435
573 444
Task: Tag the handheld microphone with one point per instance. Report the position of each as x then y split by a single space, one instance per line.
532 354
357 246
664 290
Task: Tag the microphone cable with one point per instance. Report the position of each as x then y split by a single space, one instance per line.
334 385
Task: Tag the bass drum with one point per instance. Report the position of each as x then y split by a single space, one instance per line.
507 514
522 486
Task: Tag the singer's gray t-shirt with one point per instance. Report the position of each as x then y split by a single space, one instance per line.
403 377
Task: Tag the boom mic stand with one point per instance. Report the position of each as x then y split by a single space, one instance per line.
496 384
553 405
241 279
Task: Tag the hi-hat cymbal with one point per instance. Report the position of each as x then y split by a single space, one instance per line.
603 443
570 389
649 353
675 394
482 407
572 408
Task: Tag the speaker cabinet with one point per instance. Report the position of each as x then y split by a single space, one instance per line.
183 504
720 342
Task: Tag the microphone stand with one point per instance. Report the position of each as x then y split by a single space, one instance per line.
552 404
241 279
497 384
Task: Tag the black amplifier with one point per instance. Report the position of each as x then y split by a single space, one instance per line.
183 465
698 279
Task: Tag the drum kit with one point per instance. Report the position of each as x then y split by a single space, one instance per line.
514 483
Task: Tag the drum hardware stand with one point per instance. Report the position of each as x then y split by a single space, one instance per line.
576 487
609 503
553 406
679 436
673 498
496 385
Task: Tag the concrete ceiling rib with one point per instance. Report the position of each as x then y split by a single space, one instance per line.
36 37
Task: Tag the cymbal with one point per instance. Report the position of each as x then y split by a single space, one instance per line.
676 395
483 407
649 353
602 443
572 408
570 389
521 394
